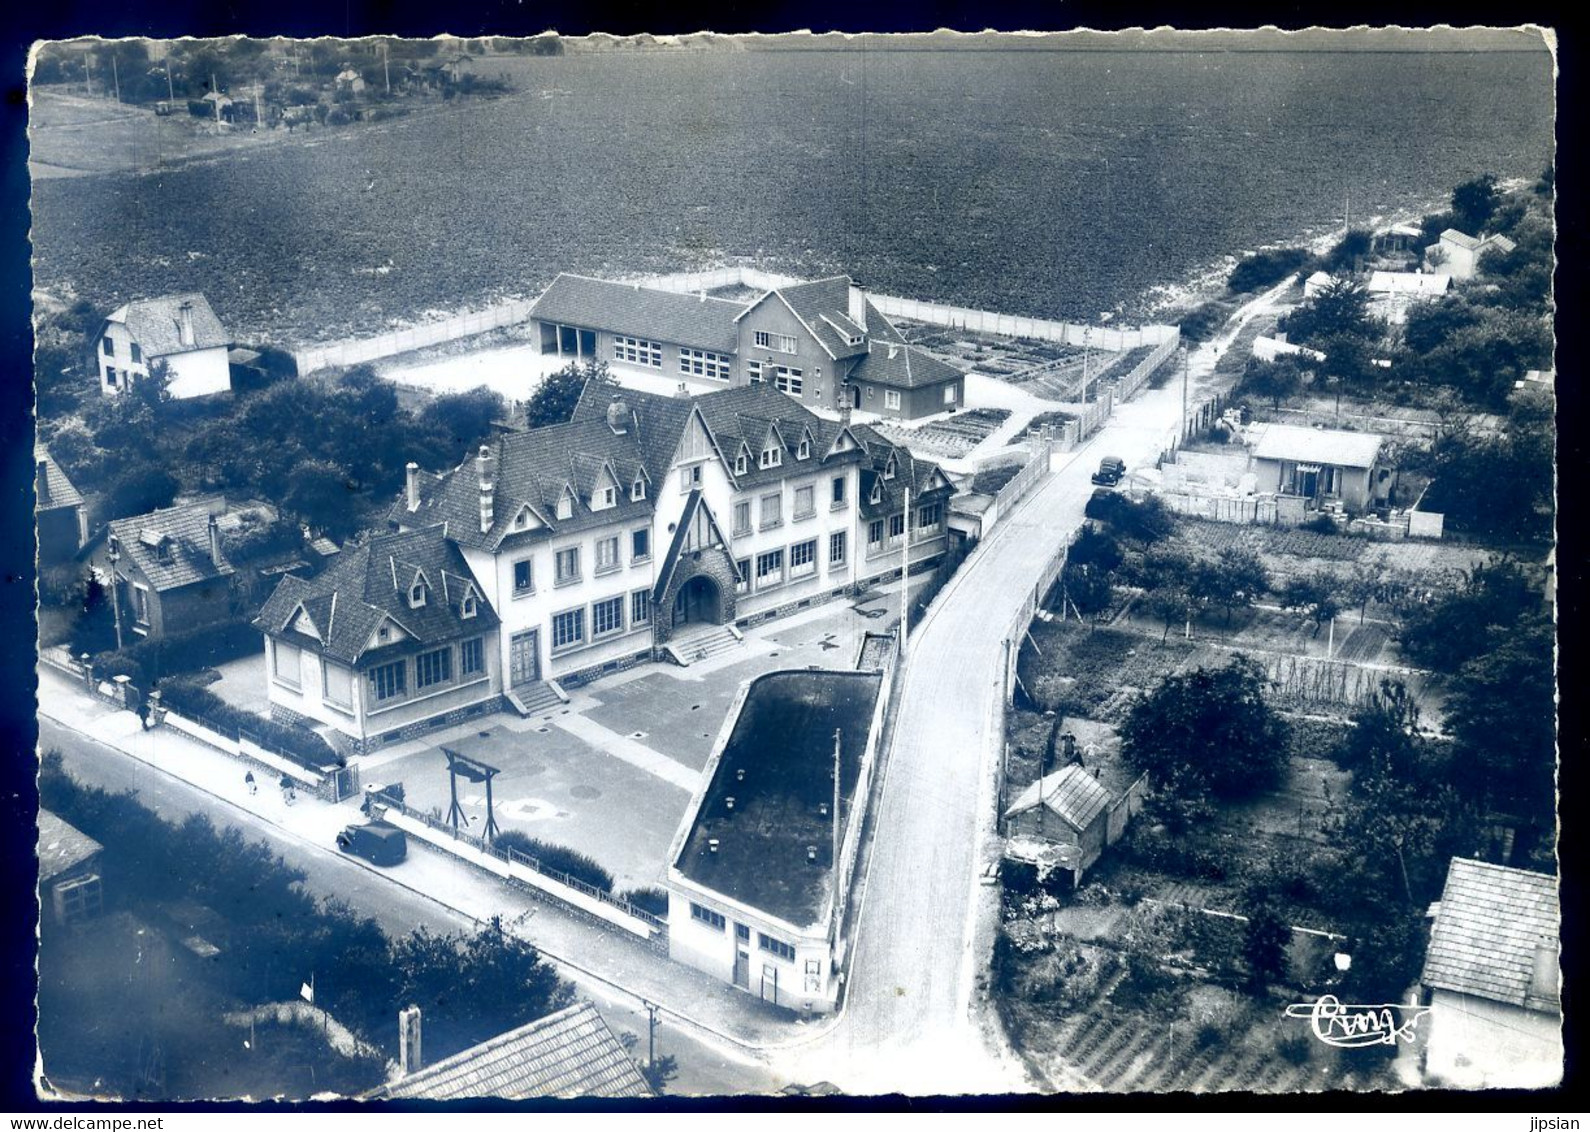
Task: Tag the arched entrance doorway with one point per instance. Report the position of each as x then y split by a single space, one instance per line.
699 602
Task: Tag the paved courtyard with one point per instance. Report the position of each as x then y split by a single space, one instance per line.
610 773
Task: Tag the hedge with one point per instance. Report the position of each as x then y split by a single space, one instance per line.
300 744
149 661
559 858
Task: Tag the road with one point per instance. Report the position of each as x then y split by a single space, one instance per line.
704 1069
926 925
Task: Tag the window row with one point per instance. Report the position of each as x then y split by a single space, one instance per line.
566 566
704 363
783 343
928 518
638 351
786 379
393 680
603 618
109 348
787 564
770 507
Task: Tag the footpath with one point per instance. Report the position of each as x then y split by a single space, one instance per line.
591 956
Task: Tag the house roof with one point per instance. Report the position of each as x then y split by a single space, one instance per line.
1408 283
1074 794
573 1053
1490 922
642 312
823 306
61 846
59 491
184 532
1461 239
366 585
925 479
1318 446
902 367
155 324
748 413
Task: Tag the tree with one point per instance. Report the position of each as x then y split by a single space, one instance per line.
136 491
1208 730
1340 307
322 496
1169 606
1448 632
1315 598
1265 269
1430 324
1365 583
461 421
1237 580
1501 710
1474 203
1350 250
554 400
1387 959
1384 738
1277 380
1086 588
1265 938
1094 546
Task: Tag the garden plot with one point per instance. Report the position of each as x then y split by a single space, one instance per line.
948 439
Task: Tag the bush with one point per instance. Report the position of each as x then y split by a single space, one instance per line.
653 900
1144 522
65 585
989 481
300 744
558 858
1265 269
1321 524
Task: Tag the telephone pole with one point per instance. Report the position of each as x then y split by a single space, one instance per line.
1186 363
386 65
171 90
115 76
836 811
905 577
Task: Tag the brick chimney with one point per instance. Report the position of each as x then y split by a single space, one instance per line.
411 487
858 304
411 1057
487 488
185 323
215 542
41 482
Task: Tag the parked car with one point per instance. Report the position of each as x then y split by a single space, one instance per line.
1111 469
378 842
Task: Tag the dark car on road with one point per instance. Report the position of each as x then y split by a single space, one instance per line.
378 842
1111 469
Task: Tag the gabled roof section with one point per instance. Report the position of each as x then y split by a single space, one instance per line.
365 586
687 518
1491 921
1074 795
62 846
927 481
156 324
640 312
59 489
899 366
572 1053
185 531
745 414
1318 446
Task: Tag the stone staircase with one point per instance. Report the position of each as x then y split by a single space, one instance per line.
704 645
540 698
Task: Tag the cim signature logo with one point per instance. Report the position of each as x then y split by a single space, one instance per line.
1351 1026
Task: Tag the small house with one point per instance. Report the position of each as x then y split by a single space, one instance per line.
69 882
180 331
1075 813
350 81
1324 466
170 571
1392 292
1267 349
570 1054
1458 254
1316 283
60 513
1491 979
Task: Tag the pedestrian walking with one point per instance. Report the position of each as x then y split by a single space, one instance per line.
287 790
248 780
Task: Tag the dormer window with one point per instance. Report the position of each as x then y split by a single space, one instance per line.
417 595
805 448
466 608
637 490
383 634
877 493
741 464
519 520
888 469
772 457
163 550
605 498
565 505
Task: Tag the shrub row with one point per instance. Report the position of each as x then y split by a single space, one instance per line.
559 858
300 744
149 661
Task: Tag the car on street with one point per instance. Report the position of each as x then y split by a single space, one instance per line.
379 842
1111 469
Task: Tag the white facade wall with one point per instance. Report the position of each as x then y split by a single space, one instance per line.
195 373
820 525
1476 1043
806 983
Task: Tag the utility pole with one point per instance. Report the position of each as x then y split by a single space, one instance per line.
1186 364
836 811
1087 334
651 1033
905 577
115 76
386 65
87 89
115 589
171 90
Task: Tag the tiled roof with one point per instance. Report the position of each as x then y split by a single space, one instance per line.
155 324
1461 239
61 846
908 472
641 312
1318 446
185 531
572 1053
1074 794
823 305
61 493
902 367
745 414
365 585
1490 922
